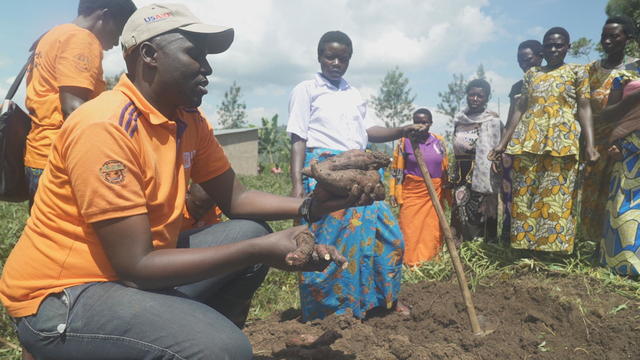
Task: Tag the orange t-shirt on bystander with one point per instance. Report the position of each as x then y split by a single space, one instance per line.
116 156
67 55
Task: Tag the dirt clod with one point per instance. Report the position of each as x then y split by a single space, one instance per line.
302 254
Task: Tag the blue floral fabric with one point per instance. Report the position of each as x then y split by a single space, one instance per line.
371 240
620 244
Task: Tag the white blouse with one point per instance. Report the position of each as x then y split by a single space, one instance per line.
329 117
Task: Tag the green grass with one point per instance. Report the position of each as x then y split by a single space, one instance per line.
483 264
12 218
279 291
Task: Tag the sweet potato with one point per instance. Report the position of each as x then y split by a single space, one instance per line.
357 159
351 172
302 254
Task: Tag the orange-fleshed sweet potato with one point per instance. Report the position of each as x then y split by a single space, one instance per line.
302 254
351 172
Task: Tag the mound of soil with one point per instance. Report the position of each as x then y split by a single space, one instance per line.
534 317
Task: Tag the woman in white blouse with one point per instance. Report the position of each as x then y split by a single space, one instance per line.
326 117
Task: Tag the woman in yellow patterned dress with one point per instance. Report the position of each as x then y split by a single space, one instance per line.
543 138
616 32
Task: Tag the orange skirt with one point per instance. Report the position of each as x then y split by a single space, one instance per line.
419 221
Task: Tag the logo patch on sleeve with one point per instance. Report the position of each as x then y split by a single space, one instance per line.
113 172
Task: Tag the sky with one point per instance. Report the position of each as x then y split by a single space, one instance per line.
276 41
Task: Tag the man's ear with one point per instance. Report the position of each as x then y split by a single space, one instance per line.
148 53
104 13
101 15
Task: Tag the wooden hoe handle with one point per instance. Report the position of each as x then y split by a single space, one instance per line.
448 237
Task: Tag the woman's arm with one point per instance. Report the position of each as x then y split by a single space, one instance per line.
298 149
512 122
616 111
586 122
379 134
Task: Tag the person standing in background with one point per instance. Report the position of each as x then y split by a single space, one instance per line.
474 178
328 116
616 33
543 139
529 55
418 218
66 72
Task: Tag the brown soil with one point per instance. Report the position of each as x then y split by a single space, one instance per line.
534 317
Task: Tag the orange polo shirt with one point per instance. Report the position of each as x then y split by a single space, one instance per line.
67 55
115 156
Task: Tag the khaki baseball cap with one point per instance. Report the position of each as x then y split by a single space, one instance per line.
155 19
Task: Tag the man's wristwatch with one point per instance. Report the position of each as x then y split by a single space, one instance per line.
305 209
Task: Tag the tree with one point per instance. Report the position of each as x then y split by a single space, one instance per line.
629 8
451 100
480 73
394 102
582 48
231 112
273 143
111 81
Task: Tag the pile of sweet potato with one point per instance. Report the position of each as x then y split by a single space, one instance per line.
353 172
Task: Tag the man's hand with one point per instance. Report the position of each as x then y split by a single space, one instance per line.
284 243
393 201
325 202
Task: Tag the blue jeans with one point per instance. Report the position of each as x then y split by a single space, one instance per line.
32 175
108 320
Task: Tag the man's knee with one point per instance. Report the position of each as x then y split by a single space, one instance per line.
248 229
223 233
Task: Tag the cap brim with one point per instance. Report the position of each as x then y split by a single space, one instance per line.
219 37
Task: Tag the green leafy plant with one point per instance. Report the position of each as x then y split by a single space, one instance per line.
394 102
232 111
273 145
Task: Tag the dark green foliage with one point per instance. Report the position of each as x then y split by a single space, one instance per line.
279 291
112 81
394 102
12 219
273 145
231 112
451 100
480 73
581 48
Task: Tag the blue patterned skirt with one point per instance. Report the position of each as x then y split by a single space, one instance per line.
620 244
371 240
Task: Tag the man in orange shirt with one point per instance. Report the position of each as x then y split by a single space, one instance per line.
66 72
101 270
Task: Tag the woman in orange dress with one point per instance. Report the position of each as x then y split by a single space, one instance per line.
418 219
